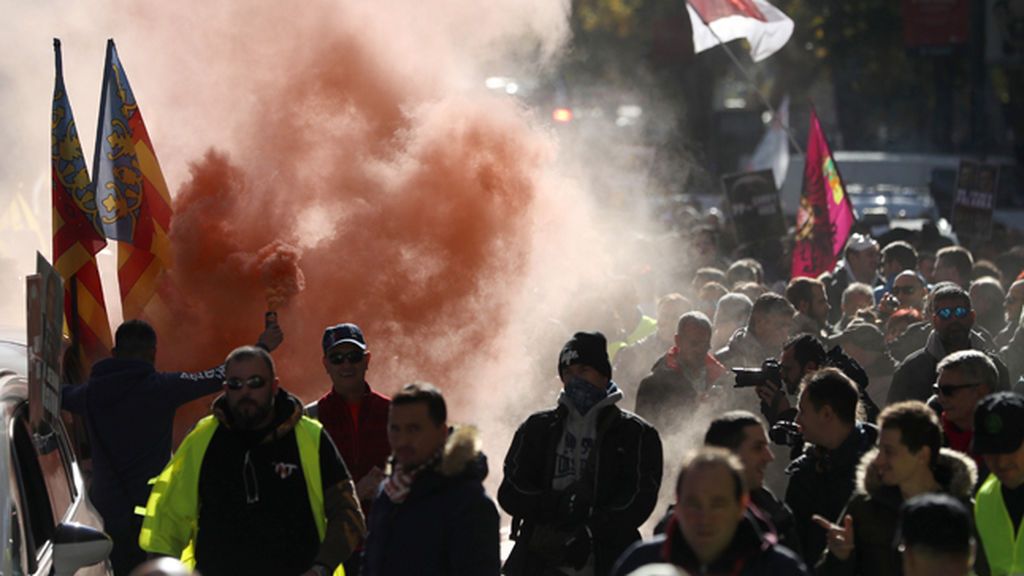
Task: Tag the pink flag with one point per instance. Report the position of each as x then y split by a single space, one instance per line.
825 216
764 26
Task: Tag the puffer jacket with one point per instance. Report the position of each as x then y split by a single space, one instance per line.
875 509
446 525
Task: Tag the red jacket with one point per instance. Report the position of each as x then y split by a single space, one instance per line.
362 446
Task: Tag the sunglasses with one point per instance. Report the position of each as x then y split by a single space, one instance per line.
353 357
253 382
949 390
949 312
908 290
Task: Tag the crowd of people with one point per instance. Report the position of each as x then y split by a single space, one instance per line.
869 421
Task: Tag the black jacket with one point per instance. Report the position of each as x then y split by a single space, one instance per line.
914 376
129 410
255 515
624 479
821 482
446 524
749 554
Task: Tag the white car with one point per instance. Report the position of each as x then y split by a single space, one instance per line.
49 527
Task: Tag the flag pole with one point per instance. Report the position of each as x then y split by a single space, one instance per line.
750 80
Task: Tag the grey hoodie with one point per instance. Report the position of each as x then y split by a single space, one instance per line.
578 439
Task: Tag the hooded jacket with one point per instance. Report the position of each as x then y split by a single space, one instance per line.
621 483
875 509
273 501
822 481
129 409
446 524
748 554
914 376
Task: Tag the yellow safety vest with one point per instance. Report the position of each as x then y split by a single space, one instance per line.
645 328
1004 546
172 512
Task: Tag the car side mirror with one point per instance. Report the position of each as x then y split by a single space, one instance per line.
77 545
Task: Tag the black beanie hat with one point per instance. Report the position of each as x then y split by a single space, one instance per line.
587 348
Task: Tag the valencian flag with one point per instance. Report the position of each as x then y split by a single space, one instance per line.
77 232
134 203
825 217
765 27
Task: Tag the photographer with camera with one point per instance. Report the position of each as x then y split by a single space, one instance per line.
822 479
779 380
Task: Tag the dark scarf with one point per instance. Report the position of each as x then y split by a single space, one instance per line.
583 395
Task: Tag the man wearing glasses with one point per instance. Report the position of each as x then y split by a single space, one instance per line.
355 416
256 488
909 289
952 320
964 378
129 407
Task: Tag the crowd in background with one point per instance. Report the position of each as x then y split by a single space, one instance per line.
867 421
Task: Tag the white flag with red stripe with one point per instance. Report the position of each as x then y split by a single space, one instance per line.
764 26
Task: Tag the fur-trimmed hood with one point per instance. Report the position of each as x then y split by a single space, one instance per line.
955 472
462 453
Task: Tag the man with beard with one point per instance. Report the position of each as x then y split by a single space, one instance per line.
129 408
256 488
769 326
807 295
952 320
1012 305
800 356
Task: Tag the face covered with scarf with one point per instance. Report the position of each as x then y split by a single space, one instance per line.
585 369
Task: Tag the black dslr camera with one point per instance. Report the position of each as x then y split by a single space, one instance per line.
786 433
750 377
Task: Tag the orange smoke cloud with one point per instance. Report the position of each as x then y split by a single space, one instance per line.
412 224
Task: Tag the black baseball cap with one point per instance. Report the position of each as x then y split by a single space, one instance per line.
342 333
998 424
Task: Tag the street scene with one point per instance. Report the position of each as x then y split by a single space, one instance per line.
570 288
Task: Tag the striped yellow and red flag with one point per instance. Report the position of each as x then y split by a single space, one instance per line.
133 199
77 232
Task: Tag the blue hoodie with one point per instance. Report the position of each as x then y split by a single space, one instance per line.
129 410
